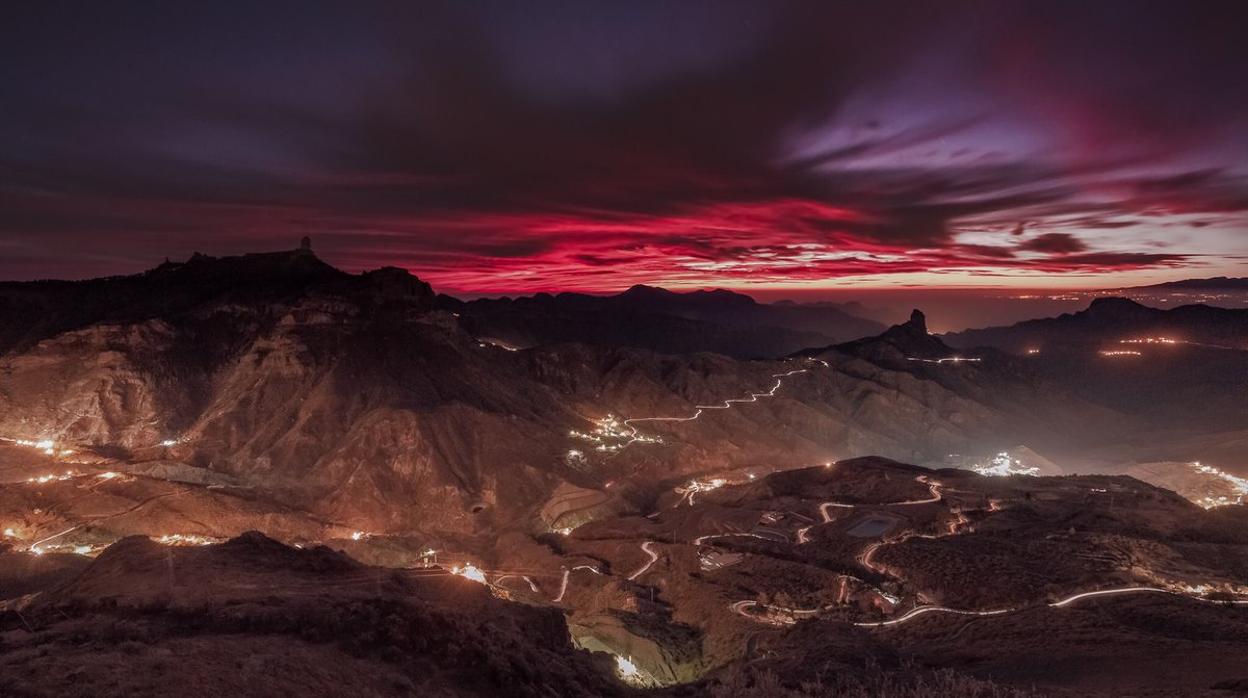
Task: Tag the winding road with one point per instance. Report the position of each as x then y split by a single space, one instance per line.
741 608
726 404
803 534
654 557
865 559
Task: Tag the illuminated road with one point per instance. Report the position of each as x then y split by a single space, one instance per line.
802 537
791 615
803 534
654 557
933 487
701 539
525 578
563 584
923 610
726 404
34 547
823 509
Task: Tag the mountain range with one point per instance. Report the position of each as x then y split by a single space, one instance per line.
677 516
369 401
1113 320
665 321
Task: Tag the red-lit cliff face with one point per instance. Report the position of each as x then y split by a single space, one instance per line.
355 399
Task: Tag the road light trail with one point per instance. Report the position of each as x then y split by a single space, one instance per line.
654 557
563 584
725 404
701 539
933 487
803 534
34 547
532 586
1109 592
740 607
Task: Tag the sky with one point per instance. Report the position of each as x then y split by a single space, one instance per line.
507 147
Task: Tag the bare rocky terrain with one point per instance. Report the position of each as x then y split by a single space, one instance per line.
444 511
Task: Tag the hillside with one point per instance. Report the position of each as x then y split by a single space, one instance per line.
356 400
253 617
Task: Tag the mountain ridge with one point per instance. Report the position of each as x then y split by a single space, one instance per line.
1113 319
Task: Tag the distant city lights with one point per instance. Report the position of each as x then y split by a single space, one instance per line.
1239 487
687 492
610 434
1002 465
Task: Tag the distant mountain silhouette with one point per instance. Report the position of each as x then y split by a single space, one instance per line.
895 346
667 321
1216 283
41 309
1112 320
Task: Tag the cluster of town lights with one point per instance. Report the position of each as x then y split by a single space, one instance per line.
1003 465
626 429
46 445
52 477
1239 487
695 486
611 434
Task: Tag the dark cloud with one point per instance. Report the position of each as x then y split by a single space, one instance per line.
1054 243
687 142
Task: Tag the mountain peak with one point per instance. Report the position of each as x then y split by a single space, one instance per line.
910 339
644 291
397 284
918 321
1114 308
702 297
1113 302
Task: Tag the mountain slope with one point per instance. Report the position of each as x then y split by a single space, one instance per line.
359 402
253 617
1221 283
